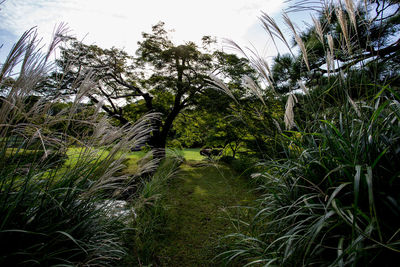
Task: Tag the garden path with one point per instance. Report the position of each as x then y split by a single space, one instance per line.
198 199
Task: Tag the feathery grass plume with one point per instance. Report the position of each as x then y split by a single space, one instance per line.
221 86
232 44
354 105
330 43
289 113
59 33
35 64
352 12
255 89
343 25
257 62
13 91
303 87
330 63
17 51
307 5
265 64
298 39
342 75
277 125
330 60
262 66
318 29
273 30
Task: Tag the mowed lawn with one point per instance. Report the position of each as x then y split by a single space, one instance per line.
188 153
74 153
192 154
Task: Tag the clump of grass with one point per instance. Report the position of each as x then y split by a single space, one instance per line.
50 213
334 203
333 199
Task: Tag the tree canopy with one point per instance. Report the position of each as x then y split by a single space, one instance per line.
162 77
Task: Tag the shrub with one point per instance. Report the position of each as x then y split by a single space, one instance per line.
175 144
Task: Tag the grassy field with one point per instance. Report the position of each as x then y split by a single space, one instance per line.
187 153
192 154
73 153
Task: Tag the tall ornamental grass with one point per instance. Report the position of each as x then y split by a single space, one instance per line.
54 210
334 199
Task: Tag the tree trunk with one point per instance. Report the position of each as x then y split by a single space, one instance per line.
159 139
158 142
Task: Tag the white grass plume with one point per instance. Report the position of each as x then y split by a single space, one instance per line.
257 62
298 39
318 29
254 88
221 86
303 87
352 12
330 43
330 60
343 25
274 30
354 105
262 67
289 112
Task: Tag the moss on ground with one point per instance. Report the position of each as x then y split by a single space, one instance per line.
197 199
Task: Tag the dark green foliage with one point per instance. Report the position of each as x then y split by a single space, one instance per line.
286 72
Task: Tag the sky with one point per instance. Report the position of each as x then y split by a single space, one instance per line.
120 23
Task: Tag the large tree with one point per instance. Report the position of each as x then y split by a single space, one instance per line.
162 77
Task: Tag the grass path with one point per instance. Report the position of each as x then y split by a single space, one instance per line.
197 198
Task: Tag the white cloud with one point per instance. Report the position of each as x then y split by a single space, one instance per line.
121 22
